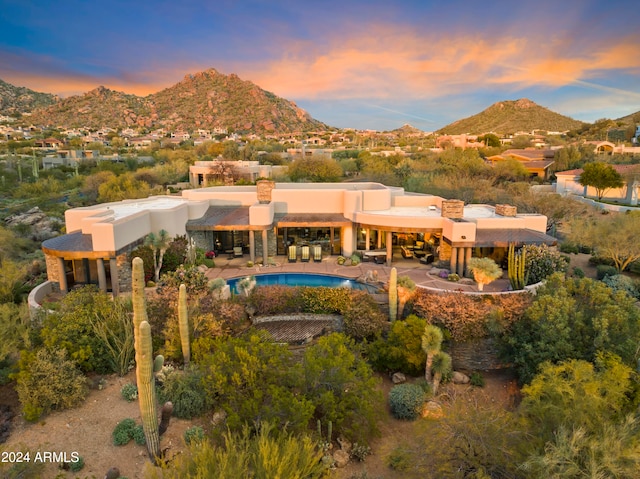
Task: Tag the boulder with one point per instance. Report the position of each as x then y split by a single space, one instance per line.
36 224
459 378
345 445
398 378
340 458
432 410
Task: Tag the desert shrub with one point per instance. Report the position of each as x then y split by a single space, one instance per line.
363 318
603 271
145 253
193 434
123 432
401 350
619 282
48 381
578 272
184 389
360 451
195 280
571 248
400 459
137 434
82 313
465 317
405 401
328 300
355 259
541 262
476 379
254 379
216 284
405 281
175 255
268 300
341 386
77 465
129 392
453 277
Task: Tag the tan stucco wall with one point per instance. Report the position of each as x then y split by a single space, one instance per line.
455 230
308 201
261 214
416 200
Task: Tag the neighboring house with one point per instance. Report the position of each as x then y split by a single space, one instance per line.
49 143
458 141
568 182
536 161
203 173
264 220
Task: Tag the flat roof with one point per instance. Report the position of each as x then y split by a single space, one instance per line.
124 209
471 211
507 236
223 218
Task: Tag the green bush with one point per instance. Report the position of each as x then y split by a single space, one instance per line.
578 272
619 282
541 262
48 381
405 401
453 277
360 451
123 432
355 259
400 459
129 392
184 389
476 379
328 300
571 248
363 318
137 434
603 271
77 465
193 434
78 327
402 349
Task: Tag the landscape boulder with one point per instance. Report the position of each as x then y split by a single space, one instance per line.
459 378
398 378
340 458
432 410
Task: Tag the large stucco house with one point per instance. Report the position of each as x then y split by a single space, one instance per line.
266 220
568 182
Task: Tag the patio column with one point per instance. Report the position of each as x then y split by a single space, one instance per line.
367 237
379 240
113 272
87 270
102 275
389 245
467 257
252 245
265 248
62 276
461 263
453 262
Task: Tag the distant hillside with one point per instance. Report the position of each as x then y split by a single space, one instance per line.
204 100
632 119
407 130
210 99
95 109
510 117
16 99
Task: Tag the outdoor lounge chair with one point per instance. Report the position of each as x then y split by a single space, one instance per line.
317 253
406 252
293 256
304 253
237 251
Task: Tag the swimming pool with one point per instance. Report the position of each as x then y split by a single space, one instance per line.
303 279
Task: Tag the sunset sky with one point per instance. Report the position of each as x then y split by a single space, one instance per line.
364 64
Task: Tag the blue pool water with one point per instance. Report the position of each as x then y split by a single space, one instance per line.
303 279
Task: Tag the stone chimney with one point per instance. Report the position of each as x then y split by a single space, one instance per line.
506 210
452 208
264 188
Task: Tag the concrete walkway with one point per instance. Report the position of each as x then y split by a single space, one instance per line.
419 273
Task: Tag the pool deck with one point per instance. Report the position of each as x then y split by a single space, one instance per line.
419 273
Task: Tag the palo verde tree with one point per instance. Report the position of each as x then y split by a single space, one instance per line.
601 176
614 236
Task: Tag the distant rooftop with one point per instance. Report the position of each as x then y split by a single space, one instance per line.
125 209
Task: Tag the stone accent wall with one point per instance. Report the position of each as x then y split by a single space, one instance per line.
452 208
478 355
272 244
200 237
506 210
264 188
124 272
53 272
445 251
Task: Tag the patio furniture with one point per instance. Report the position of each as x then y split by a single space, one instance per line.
406 252
304 253
237 252
427 259
317 253
293 256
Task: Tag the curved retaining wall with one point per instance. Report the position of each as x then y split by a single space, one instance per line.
37 295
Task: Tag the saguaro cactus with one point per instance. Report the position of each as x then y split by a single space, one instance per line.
145 364
183 321
393 294
147 390
516 263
